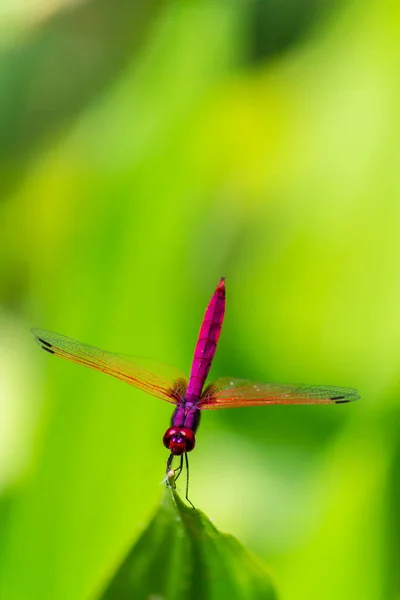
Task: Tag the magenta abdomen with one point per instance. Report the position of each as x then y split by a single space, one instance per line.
207 343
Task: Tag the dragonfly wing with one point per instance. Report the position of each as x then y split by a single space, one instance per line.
227 392
150 376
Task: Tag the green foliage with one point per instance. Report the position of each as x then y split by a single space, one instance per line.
143 156
182 555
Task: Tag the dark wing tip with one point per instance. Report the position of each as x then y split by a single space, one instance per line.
42 342
48 350
350 396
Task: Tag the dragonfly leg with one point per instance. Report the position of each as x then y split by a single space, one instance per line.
169 467
187 481
169 462
179 469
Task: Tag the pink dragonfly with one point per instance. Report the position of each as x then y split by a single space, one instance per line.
190 397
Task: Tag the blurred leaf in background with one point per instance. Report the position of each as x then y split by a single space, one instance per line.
145 152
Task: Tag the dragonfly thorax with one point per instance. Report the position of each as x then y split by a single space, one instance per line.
179 440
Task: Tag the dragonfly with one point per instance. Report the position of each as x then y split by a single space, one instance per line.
191 396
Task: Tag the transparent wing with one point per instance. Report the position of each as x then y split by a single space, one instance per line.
227 392
150 376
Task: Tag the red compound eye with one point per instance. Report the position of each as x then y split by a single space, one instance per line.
179 440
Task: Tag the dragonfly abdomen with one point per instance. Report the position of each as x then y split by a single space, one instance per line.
207 342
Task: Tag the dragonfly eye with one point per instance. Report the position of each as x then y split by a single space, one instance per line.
179 440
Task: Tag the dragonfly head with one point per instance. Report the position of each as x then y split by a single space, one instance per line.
179 440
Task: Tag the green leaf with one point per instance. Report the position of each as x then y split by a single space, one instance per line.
182 555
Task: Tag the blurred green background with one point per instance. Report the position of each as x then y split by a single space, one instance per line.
146 148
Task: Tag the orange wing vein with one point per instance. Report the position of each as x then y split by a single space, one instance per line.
148 375
228 392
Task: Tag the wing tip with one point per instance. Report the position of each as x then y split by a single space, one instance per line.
47 349
346 398
37 333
